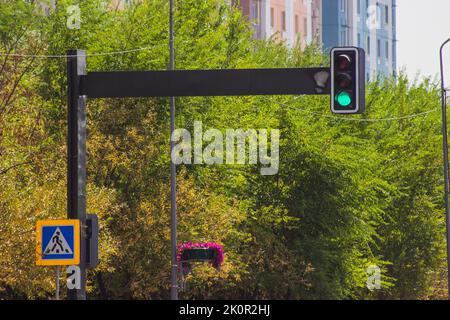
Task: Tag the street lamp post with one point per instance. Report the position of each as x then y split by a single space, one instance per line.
173 175
445 149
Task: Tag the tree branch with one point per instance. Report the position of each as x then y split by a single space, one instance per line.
4 171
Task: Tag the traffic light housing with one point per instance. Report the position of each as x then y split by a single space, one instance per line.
348 80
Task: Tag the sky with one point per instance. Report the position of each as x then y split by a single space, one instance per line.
422 26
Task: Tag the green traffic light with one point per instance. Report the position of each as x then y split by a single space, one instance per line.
344 99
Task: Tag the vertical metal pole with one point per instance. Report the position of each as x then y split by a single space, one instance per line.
58 268
76 159
181 277
445 149
173 173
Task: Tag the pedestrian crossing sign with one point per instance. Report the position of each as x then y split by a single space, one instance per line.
57 242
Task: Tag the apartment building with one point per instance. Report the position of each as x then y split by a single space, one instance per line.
292 21
369 24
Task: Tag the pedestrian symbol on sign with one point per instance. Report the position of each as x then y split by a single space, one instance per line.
58 244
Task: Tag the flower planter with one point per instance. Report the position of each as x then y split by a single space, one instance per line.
198 254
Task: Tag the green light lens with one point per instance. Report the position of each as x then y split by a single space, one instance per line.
344 99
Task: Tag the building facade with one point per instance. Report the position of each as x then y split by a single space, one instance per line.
293 21
369 24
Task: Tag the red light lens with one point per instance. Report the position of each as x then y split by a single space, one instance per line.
343 62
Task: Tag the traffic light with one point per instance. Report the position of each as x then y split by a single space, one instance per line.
348 80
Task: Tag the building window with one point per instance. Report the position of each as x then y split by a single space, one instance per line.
272 17
345 38
367 7
359 40
379 48
358 6
387 50
305 26
343 5
256 12
368 45
296 24
283 20
386 15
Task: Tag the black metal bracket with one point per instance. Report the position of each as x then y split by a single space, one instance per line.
183 83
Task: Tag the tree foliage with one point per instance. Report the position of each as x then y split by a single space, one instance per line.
350 192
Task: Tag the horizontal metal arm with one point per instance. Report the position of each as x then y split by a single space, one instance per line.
179 83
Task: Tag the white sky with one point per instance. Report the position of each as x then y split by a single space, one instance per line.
422 26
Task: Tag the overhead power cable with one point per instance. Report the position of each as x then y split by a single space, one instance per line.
73 56
358 119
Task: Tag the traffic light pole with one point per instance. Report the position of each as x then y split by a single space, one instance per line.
171 83
445 151
76 158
